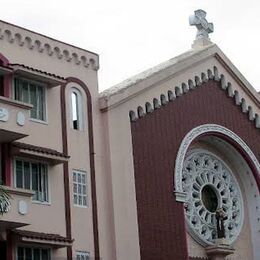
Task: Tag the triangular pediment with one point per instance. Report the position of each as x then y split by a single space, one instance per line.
154 88
180 74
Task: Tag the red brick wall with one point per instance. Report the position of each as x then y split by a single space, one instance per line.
156 139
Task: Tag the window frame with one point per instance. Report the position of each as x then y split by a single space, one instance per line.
80 194
31 161
32 248
38 84
80 110
84 254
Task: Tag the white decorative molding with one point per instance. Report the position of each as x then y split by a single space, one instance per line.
191 85
203 170
20 118
4 114
186 142
42 44
22 207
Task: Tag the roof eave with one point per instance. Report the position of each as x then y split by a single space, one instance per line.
37 75
55 244
108 100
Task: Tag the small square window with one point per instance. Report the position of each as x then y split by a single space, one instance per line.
82 255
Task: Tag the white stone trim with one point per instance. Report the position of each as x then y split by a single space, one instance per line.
186 142
191 85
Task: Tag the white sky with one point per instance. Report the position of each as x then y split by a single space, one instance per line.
133 35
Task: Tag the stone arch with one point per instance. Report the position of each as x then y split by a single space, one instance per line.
247 166
214 129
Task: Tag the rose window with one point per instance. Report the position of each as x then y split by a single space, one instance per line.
209 185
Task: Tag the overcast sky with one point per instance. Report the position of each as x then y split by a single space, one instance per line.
133 35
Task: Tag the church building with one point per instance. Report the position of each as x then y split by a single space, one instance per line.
164 165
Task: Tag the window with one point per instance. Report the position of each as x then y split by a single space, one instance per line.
32 93
76 109
27 253
82 256
79 188
33 176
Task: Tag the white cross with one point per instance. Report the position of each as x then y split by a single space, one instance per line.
199 20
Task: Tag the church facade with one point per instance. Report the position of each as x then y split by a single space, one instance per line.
164 165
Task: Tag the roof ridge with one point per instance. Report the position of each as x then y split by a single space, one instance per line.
125 84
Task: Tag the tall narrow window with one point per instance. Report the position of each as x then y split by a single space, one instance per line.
80 196
76 109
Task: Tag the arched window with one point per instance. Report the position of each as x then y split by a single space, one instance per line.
76 109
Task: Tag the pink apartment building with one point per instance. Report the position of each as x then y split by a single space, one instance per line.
53 202
164 165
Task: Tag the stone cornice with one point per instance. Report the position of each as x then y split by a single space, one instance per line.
24 38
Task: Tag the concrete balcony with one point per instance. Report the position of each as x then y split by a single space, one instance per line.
18 214
14 117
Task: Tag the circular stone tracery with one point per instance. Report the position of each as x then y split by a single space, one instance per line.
209 184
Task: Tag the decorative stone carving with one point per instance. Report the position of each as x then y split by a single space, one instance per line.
4 114
22 207
219 251
132 116
203 27
210 185
20 119
221 216
194 133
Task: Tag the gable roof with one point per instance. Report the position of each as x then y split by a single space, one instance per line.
131 87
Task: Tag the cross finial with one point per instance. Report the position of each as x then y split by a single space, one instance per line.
203 27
